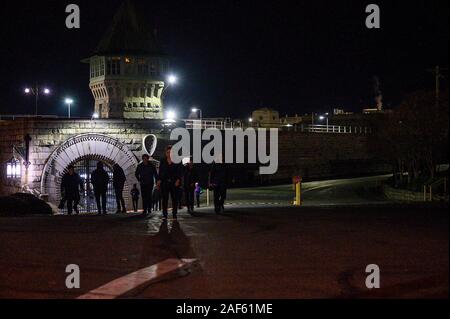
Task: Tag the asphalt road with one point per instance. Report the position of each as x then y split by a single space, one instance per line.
253 250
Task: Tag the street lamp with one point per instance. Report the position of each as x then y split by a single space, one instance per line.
95 116
197 110
172 79
36 90
322 117
69 103
171 116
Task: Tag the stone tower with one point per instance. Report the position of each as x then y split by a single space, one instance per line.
128 69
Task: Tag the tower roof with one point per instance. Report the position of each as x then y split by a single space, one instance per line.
129 34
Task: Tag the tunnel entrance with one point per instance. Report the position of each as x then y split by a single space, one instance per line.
88 204
84 151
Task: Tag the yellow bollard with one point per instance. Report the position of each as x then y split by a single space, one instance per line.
298 190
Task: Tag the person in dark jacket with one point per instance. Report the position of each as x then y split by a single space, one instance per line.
135 194
71 186
190 179
146 174
170 182
218 177
100 181
119 180
157 201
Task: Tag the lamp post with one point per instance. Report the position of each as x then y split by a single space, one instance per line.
170 118
69 103
36 90
199 111
323 117
171 80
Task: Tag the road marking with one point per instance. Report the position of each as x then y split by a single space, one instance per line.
121 286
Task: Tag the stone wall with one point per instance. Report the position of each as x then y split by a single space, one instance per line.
47 134
318 156
313 156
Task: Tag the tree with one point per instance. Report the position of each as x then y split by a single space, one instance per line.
415 135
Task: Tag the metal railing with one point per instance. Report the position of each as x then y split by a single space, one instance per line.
18 116
334 129
204 125
327 129
429 190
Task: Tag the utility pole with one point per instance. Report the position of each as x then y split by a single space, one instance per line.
438 75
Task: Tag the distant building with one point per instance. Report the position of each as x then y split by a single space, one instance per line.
291 120
128 69
341 112
266 117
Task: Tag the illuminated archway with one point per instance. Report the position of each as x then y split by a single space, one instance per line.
98 147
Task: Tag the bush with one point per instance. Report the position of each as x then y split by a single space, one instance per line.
23 204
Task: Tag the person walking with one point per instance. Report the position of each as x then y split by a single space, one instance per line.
190 179
169 181
135 194
146 174
157 202
100 180
198 193
71 186
218 177
119 180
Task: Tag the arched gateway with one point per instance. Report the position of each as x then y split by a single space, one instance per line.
81 149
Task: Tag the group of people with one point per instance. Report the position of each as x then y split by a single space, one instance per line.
156 187
72 185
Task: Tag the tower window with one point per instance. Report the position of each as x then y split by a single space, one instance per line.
113 66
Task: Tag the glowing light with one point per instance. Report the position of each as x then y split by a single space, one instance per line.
46 91
27 91
172 79
95 116
171 115
68 101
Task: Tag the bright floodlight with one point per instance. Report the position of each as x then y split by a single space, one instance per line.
322 118
27 91
69 101
171 115
172 79
194 110
250 120
46 91
95 116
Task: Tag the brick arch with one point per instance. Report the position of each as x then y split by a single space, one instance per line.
94 146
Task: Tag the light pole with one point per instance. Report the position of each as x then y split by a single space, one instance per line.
323 117
199 111
171 80
35 91
69 103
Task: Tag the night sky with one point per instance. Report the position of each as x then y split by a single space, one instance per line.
233 56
